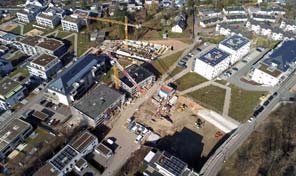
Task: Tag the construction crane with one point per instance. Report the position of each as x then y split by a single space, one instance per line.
125 23
125 73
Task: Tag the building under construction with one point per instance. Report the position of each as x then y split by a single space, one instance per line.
139 50
142 77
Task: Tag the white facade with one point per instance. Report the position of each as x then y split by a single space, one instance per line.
177 29
49 21
277 36
236 54
233 11
208 71
264 78
46 70
264 19
74 25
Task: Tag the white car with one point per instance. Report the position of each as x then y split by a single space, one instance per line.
251 119
139 139
110 141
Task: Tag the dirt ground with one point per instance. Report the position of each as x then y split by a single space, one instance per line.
34 32
183 122
177 44
8 27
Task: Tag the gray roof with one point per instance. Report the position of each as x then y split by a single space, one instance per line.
214 56
282 56
97 101
234 8
138 73
64 82
237 16
264 16
235 42
211 20
63 157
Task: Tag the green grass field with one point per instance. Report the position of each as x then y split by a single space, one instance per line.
162 65
211 97
189 80
243 103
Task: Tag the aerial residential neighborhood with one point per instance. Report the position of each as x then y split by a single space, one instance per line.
147 88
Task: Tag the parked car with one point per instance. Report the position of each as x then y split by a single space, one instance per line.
250 119
132 118
266 103
138 139
50 121
275 94
198 49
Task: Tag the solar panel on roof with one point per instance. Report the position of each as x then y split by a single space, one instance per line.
63 158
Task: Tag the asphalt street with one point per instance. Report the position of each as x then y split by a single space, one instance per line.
216 161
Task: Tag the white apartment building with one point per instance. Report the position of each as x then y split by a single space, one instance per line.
33 45
235 18
288 26
11 92
74 22
28 14
207 22
14 133
44 66
212 63
234 10
277 65
237 46
50 18
264 18
209 12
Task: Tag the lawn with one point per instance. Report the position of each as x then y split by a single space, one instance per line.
28 27
211 97
83 43
175 72
162 65
16 30
24 72
243 103
41 137
107 77
189 80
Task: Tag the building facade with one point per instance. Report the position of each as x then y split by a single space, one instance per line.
15 132
11 92
44 66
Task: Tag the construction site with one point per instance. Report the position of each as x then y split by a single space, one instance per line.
168 115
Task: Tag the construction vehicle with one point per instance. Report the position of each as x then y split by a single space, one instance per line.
125 23
218 135
182 107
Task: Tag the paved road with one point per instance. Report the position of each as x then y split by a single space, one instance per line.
235 78
214 164
124 138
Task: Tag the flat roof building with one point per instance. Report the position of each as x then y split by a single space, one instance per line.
237 45
164 164
99 104
32 45
75 22
212 63
141 76
51 17
277 65
85 143
69 157
44 66
12 135
11 92
28 14
74 81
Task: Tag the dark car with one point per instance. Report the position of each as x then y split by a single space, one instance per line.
270 98
198 49
42 102
266 103
275 94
